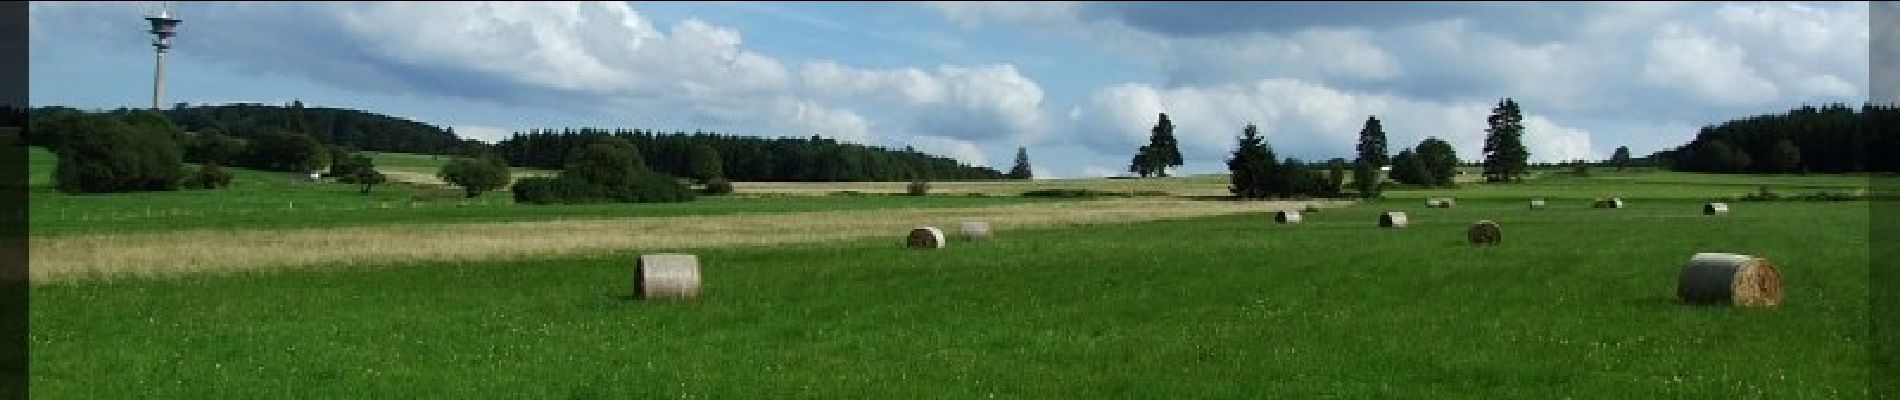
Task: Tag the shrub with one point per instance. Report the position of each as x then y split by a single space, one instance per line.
285 151
537 190
642 188
210 176
718 186
109 155
918 188
605 164
654 187
476 175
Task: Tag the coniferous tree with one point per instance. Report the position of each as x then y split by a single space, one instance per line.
1162 151
1251 167
1142 163
1021 170
1505 157
1372 156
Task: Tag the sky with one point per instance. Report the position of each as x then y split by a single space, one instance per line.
1078 84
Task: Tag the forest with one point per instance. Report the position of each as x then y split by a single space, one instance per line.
1834 138
742 158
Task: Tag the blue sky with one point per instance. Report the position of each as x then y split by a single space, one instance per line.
1077 83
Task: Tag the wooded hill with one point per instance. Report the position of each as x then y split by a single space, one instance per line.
741 158
1831 139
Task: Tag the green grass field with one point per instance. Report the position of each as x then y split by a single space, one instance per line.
1576 303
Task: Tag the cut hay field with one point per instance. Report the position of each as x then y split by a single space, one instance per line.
421 168
812 297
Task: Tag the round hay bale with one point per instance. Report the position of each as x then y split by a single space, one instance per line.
1312 208
1287 217
1738 279
1538 204
974 230
1609 203
1440 203
1714 208
1616 203
928 237
1485 232
666 276
1392 219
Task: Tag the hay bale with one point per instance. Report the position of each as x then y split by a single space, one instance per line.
1742 280
1538 204
1485 232
974 230
1715 208
1392 219
666 276
1440 203
928 237
1312 208
1287 217
1608 203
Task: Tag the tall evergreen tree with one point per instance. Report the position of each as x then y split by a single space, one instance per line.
1162 150
1372 156
1251 167
1505 157
1021 170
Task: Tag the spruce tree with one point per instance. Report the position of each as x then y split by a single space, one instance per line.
1162 151
1021 171
1251 167
1504 153
1372 156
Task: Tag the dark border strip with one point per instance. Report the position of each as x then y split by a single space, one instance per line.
1884 212
13 214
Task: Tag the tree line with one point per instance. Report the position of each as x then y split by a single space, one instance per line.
1834 138
354 129
142 150
1255 172
703 156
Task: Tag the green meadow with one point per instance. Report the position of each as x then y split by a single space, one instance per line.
1576 303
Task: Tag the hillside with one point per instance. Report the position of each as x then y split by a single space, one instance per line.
745 158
